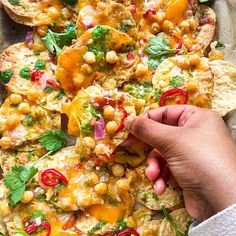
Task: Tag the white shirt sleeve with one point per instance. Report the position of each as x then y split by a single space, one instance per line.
221 224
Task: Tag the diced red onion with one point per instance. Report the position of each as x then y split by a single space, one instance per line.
29 37
99 129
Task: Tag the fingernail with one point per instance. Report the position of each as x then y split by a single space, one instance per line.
128 122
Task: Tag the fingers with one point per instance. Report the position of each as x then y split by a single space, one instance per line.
153 169
159 186
131 140
149 131
174 115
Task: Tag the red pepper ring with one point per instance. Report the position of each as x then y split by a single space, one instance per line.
126 232
125 114
47 226
178 40
33 227
52 177
173 92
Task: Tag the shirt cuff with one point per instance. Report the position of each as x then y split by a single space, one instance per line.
223 224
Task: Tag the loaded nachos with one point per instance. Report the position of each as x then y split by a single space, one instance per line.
67 90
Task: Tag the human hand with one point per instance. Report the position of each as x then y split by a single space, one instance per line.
199 152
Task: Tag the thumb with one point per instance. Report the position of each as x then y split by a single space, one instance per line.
155 134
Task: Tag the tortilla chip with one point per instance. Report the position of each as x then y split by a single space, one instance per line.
73 77
182 220
224 92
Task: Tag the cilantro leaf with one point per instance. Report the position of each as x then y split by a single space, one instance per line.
54 42
17 180
158 50
14 2
6 75
176 81
121 225
52 142
21 232
220 45
97 227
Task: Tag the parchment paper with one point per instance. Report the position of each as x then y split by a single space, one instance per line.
11 33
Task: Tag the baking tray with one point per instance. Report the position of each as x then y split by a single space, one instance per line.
11 33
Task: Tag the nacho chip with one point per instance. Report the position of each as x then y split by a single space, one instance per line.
145 195
89 120
21 61
37 13
180 218
224 92
85 62
186 74
107 13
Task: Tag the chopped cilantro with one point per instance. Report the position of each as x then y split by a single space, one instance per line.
124 27
158 50
15 105
138 90
39 64
60 95
17 180
97 227
59 186
21 232
48 89
154 196
37 214
144 198
41 197
14 2
121 225
70 2
36 53
99 33
28 121
176 81
220 45
6 75
54 42
25 73
157 95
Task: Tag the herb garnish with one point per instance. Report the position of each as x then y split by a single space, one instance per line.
97 227
40 65
6 75
17 180
25 73
176 81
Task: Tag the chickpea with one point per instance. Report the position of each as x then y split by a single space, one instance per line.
109 112
32 95
155 28
163 84
42 30
187 42
109 84
167 26
123 185
94 178
27 197
191 86
194 60
6 210
24 108
184 25
101 149
160 17
118 170
84 199
87 69
15 98
78 80
141 69
5 142
13 121
101 188
39 112
193 24
139 103
111 127
53 13
111 57
89 142
89 57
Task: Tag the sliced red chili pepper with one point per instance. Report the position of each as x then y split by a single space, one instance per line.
87 25
125 114
93 122
97 162
53 58
36 74
133 9
47 226
172 92
31 228
79 166
127 232
53 84
178 40
130 56
52 177
150 11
